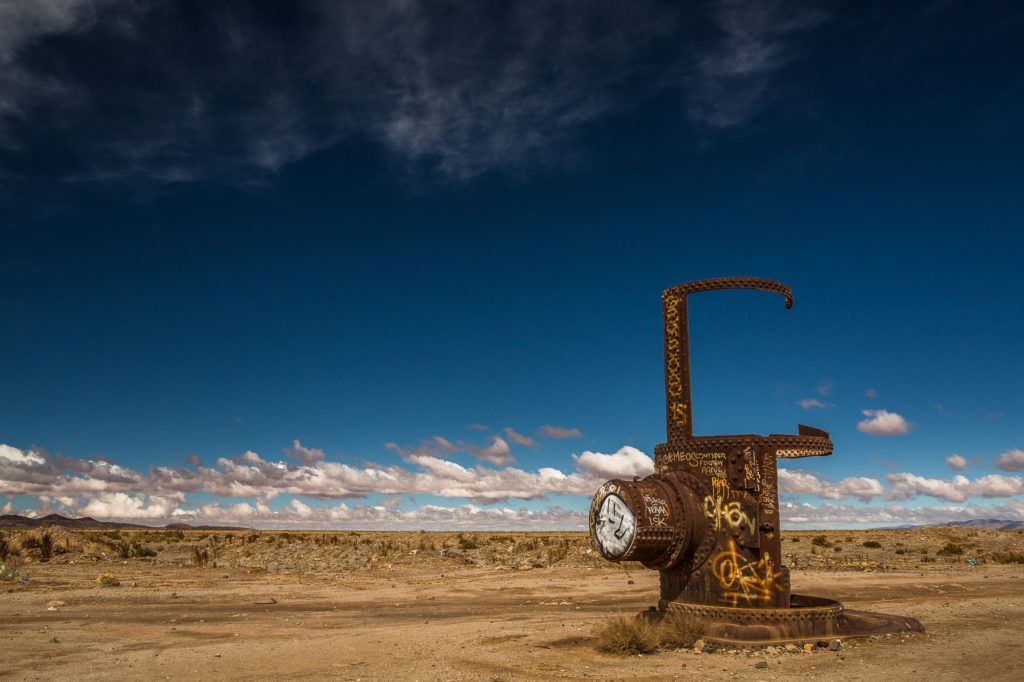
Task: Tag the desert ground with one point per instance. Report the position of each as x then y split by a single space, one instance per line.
473 605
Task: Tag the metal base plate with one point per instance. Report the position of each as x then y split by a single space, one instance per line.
807 618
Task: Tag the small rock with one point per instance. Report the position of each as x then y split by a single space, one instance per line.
835 645
698 646
808 647
56 603
630 582
761 664
792 648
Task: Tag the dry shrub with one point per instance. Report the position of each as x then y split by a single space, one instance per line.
820 541
1007 558
108 580
678 631
626 635
951 549
200 556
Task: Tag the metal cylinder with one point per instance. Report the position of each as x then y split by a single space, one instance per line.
656 521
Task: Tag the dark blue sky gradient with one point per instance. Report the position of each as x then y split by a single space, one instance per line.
353 297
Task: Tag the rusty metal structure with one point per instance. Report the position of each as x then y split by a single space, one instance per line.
708 518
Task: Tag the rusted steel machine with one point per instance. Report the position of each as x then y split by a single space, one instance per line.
708 518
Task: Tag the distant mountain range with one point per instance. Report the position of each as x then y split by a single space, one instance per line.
88 523
994 524
985 524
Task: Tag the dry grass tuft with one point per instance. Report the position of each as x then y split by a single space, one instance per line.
107 580
677 631
626 635
1007 558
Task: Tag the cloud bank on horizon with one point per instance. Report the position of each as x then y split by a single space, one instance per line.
242 490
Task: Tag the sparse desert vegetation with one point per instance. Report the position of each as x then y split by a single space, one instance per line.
480 605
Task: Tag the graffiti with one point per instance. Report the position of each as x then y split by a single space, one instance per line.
727 513
615 526
673 364
656 508
743 579
720 487
768 497
707 463
751 469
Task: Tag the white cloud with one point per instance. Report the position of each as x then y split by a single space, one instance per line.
1011 460
883 423
956 489
829 515
813 404
296 514
625 463
549 431
125 507
797 481
956 462
18 457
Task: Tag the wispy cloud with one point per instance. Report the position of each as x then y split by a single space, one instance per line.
813 404
883 423
731 81
475 88
518 438
549 431
871 393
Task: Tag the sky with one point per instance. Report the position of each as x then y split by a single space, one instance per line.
398 264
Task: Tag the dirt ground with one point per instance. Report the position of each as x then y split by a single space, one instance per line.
512 607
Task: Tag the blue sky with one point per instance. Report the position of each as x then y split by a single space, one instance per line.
341 266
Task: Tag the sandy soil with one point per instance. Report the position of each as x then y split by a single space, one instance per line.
446 618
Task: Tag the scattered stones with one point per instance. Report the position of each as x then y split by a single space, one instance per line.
761 664
792 648
835 645
698 646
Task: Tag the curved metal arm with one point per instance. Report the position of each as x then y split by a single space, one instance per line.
678 405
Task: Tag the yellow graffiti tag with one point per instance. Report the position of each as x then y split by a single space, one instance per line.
719 487
744 579
729 513
679 414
